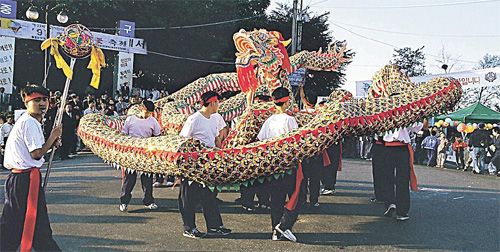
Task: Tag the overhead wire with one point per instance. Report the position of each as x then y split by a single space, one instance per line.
391 45
410 6
190 59
180 27
419 34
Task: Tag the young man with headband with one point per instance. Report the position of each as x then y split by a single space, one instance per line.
143 126
25 220
280 123
205 127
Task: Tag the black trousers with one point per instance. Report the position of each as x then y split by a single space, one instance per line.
329 173
129 180
395 185
68 145
312 168
192 195
378 161
259 189
459 158
13 215
279 189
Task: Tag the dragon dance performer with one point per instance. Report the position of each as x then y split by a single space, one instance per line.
205 127
143 126
377 168
397 171
332 163
25 220
312 166
283 217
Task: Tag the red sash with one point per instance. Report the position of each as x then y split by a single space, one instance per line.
31 208
292 202
413 177
327 161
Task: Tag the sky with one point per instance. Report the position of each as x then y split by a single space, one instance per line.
466 29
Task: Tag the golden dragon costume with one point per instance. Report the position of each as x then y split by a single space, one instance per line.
393 102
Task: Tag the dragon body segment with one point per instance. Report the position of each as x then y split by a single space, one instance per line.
394 103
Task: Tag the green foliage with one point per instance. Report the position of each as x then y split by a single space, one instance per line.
315 35
208 42
412 62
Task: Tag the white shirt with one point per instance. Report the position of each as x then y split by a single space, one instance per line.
26 136
221 124
277 125
201 128
402 135
90 111
6 128
139 127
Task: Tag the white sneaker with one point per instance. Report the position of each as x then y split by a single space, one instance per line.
390 210
287 233
156 184
123 207
169 184
151 206
327 192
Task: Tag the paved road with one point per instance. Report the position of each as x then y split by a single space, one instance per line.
454 210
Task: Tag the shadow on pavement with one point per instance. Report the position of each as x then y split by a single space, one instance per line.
88 243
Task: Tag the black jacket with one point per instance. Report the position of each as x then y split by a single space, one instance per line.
479 138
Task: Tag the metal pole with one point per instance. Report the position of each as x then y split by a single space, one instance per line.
45 70
294 27
299 28
58 121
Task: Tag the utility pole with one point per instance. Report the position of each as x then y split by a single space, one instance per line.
300 22
294 27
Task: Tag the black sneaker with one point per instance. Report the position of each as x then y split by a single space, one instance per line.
194 234
402 217
221 231
390 210
248 208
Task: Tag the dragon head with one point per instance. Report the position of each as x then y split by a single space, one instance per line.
389 81
261 58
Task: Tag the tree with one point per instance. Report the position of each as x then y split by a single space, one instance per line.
315 35
489 61
446 61
411 62
207 42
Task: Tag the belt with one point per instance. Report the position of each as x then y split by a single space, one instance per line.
17 171
31 207
395 143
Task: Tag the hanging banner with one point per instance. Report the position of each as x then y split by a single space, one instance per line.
472 79
7 47
8 8
22 29
124 71
125 66
298 77
110 42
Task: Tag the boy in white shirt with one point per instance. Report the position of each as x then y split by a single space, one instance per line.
25 220
277 125
143 126
204 126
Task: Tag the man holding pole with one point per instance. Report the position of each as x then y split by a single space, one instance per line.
24 218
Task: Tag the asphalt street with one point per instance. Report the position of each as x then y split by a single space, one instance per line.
454 210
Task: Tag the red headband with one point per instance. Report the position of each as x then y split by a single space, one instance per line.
33 96
211 99
284 99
